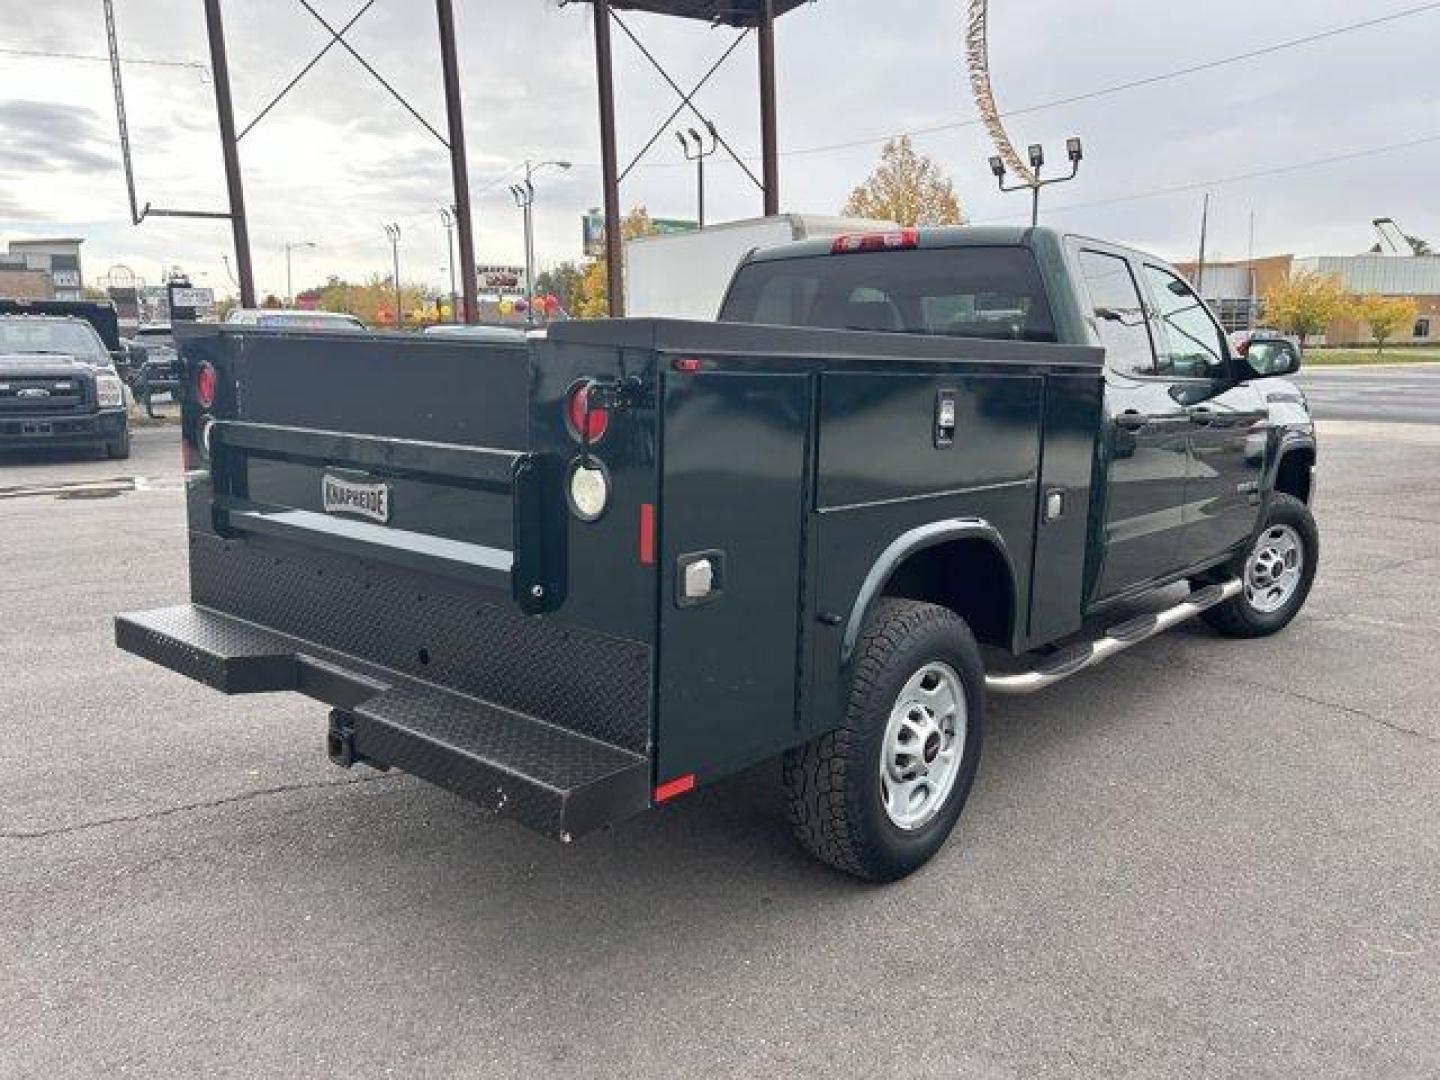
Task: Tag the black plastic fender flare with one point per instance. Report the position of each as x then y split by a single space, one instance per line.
903 547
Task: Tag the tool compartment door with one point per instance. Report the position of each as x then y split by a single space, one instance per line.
734 492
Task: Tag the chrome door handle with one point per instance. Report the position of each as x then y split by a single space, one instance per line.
1200 415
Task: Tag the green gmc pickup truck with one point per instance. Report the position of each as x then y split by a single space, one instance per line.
578 575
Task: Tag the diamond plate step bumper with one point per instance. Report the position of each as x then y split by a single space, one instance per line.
552 779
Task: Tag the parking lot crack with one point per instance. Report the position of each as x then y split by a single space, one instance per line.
1364 714
184 808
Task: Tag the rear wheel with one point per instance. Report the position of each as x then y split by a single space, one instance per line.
877 796
1276 574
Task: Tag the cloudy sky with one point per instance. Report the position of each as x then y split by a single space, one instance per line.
339 158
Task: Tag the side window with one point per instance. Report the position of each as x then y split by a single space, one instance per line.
1119 314
1192 343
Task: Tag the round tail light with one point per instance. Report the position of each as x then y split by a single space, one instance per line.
206 383
588 424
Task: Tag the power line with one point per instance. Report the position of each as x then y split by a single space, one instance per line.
1104 91
49 54
1133 84
1200 185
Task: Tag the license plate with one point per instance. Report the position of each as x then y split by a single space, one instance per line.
343 496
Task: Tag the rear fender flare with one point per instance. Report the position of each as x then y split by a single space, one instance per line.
902 548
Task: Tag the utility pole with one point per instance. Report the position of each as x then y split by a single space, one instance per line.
448 220
769 137
698 153
1200 262
459 172
220 73
524 195
614 255
290 288
1250 266
393 232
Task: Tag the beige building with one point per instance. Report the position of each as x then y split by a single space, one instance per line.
1234 289
58 259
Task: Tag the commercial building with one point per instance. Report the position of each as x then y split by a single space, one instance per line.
1236 289
49 266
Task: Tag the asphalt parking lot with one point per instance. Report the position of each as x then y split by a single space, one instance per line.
1205 858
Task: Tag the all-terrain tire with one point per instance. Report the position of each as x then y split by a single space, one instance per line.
833 784
1240 616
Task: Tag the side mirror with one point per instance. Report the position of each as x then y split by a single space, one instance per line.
1271 356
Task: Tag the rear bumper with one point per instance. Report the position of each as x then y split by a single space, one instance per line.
61 429
554 780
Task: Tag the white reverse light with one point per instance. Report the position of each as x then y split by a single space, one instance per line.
589 490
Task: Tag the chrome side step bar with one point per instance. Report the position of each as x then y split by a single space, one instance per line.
1087 654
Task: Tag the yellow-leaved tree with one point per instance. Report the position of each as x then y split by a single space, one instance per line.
1306 303
1385 314
907 188
591 298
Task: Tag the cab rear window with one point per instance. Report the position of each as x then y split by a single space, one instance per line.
979 292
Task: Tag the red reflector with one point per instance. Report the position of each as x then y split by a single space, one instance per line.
679 786
206 383
575 411
647 533
687 365
895 240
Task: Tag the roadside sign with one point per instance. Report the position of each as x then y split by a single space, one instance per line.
592 230
190 297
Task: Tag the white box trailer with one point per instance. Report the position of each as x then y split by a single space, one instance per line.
685 275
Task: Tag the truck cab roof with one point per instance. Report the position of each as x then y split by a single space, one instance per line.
948 236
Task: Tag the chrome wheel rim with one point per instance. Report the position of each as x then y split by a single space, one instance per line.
1272 572
923 746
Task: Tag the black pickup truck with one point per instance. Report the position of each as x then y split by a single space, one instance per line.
58 387
576 576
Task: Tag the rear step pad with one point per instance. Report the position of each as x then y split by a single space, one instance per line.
218 650
1085 654
547 777
550 779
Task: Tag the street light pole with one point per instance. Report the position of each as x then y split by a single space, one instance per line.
447 219
393 232
698 155
524 195
1073 151
289 286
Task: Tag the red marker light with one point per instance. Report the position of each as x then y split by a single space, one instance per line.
687 365
206 383
647 534
679 786
895 240
575 412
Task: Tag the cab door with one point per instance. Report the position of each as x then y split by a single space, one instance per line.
1227 429
1146 442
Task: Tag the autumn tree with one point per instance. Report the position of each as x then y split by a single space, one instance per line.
373 300
907 188
561 282
1385 314
591 299
1306 303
